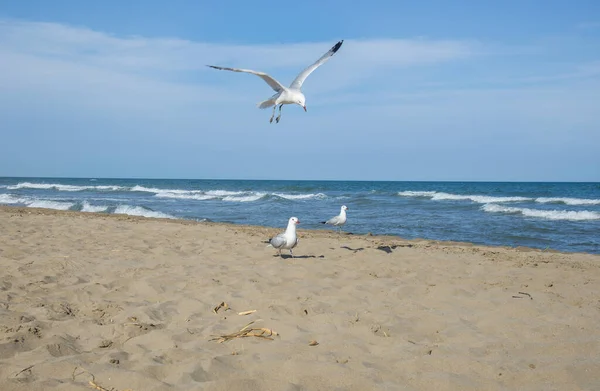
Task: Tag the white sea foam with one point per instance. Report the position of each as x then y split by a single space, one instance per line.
163 191
199 197
232 196
410 193
60 187
544 214
224 193
49 204
188 194
300 196
140 211
146 189
87 207
10 199
567 200
35 203
480 199
245 198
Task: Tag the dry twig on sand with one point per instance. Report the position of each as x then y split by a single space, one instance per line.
521 297
92 383
24 369
223 305
246 331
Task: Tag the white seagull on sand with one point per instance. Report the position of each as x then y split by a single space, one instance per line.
286 95
286 240
338 220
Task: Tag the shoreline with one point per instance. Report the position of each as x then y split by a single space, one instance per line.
131 303
327 232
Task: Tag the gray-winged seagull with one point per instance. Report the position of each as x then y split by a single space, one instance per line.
286 240
286 95
338 220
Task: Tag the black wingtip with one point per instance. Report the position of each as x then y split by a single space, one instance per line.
337 46
323 222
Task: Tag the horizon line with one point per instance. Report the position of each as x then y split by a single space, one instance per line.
295 180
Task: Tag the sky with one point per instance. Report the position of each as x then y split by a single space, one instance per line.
419 91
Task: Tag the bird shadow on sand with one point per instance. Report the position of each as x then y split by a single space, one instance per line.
353 249
389 249
284 256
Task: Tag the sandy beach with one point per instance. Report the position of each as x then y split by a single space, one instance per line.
116 302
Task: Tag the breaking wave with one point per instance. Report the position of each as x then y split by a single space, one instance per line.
198 195
85 206
567 201
59 187
48 204
544 214
141 211
481 199
300 196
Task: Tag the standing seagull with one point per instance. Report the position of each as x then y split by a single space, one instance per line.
286 95
338 220
286 240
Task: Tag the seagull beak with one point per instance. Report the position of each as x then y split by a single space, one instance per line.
298 222
304 108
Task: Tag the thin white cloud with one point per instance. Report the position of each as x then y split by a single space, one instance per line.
140 54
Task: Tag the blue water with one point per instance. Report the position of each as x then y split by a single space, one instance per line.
561 216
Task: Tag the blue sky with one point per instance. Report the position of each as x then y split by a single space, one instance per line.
431 90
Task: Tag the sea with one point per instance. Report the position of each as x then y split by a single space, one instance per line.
556 216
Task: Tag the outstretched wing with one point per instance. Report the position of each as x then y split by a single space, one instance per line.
297 83
270 81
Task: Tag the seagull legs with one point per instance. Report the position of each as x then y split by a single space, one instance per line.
279 116
291 253
273 115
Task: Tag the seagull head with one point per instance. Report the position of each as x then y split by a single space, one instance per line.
344 207
293 221
301 101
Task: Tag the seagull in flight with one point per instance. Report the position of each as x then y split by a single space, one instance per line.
286 95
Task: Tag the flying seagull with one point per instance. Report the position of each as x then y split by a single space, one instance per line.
286 95
338 220
286 240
